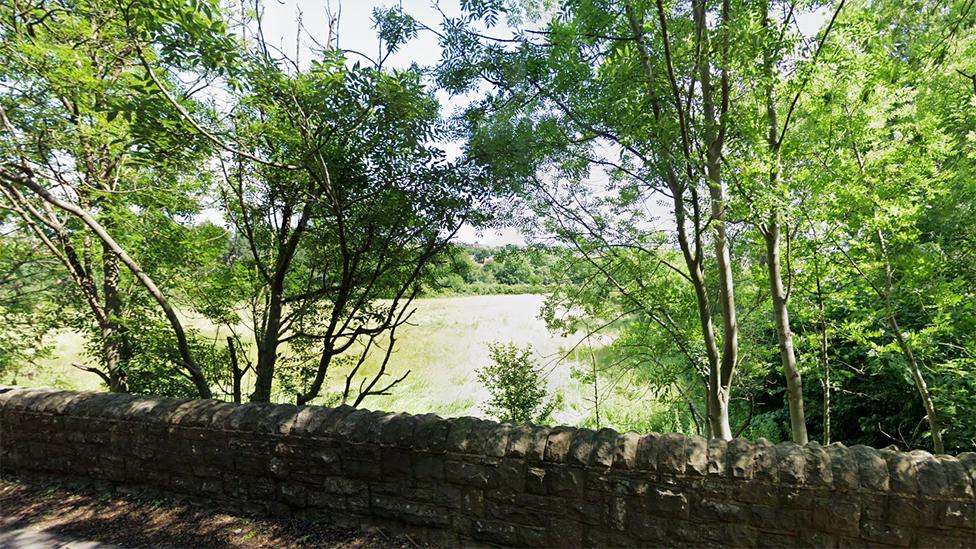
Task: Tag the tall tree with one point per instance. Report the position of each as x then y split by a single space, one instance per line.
90 155
340 205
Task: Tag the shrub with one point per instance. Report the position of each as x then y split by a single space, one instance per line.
517 386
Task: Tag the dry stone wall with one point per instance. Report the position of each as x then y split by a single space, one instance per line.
467 481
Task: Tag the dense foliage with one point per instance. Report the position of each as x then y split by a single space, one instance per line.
517 386
773 222
764 211
486 270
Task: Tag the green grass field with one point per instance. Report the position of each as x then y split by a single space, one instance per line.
443 348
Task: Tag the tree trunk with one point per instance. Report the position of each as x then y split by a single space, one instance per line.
923 390
794 384
824 359
235 370
268 346
196 375
113 338
714 132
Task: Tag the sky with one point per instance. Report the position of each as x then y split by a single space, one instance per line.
356 32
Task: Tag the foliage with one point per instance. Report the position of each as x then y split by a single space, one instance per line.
517 386
867 177
483 270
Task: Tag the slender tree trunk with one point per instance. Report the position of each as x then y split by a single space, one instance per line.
824 358
236 371
714 132
720 367
923 390
794 384
771 234
196 375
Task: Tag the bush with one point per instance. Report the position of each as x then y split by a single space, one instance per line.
516 385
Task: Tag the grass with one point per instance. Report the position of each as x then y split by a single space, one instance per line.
443 348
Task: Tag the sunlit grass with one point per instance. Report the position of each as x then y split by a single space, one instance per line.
443 347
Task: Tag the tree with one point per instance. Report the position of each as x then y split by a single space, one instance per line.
91 156
889 140
516 385
666 137
340 206
28 304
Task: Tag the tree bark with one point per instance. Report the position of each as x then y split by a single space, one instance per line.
112 335
824 358
720 379
923 390
236 371
794 384
771 235
268 347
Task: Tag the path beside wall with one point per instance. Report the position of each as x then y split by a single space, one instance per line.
469 481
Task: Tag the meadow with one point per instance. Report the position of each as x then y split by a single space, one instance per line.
443 347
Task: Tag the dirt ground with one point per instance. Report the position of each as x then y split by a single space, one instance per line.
92 514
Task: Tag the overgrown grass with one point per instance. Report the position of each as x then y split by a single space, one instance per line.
445 345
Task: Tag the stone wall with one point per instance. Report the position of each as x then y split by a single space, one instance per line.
468 481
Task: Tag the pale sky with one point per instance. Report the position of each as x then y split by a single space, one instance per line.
356 32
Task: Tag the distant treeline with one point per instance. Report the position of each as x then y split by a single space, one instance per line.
472 269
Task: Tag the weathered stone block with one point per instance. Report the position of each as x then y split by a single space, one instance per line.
765 466
668 502
496 531
931 475
957 478
717 464
430 433
741 458
836 517
457 435
962 515
696 450
912 511
673 454
465 473
558 443
604 448
397 430
496 441
648 449
721 511
473 502
625 451
564 481
581 447
359 468
294 494
428 466
902 475
871 468
885 533
564 532
817 465
510 473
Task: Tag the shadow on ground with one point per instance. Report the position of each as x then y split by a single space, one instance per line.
89 514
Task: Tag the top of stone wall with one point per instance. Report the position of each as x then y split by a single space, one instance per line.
834 466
